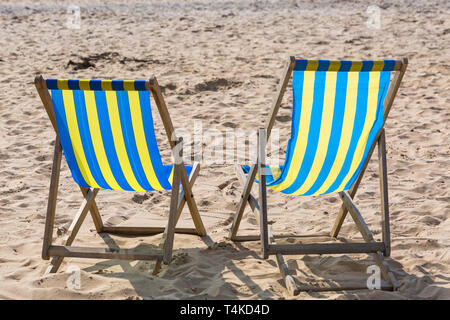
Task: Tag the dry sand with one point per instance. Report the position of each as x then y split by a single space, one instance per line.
190 46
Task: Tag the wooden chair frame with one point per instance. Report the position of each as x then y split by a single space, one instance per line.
177 201
259 207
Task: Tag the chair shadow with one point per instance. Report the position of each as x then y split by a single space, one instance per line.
348 267
141 278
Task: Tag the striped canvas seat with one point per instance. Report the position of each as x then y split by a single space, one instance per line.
107 134
337 113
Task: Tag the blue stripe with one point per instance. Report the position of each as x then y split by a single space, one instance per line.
108 141
95 85
139 85
378 124
367 66
323 65
345 65
73 84
313 135
389 65
300 65
336 132
52 84
360 116
152 145
66 143
297 89
130 143
117 85
86 139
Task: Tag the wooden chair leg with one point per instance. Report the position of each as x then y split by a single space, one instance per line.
385 228
243 201
168 243
263 192
53 193
74 227
182 200
95 214
182 197
193 209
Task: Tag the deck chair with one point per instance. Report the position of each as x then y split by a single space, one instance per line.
105 130
339 111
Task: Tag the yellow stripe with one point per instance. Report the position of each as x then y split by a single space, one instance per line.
72 124
312 65
276 171
141 142
303 131
356 66
106 85
346 135
378 66
128 85
372 103
97 141
171 176
63 84
334 65
325 132
116 128
84 85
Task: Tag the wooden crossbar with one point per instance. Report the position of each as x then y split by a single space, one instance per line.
104 253
145 231
325 248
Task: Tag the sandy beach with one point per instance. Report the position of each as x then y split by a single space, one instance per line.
219 63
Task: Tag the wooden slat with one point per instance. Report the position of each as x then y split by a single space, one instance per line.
95 214
42 90
393 88
168 126
169 234
263 192
284 81
325 248
51 205
243 201
386 233
254 237
142 231
104 253
324 285
181 198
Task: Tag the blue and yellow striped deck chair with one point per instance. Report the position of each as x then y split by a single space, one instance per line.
105 130
339 110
